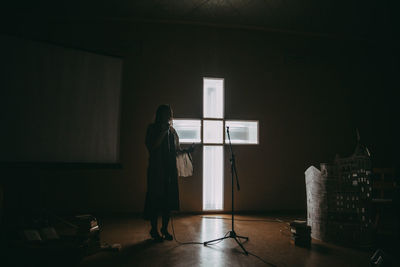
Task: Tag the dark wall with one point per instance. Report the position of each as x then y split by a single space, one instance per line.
309 93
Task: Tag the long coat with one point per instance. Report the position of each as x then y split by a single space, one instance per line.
162 175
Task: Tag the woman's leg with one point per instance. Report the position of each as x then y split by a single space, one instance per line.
154 232
165 220
153 221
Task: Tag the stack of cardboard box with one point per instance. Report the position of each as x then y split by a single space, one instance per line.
301 233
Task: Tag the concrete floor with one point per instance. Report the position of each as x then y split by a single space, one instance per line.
269 242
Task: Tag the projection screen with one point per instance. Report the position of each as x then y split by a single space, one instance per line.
58 104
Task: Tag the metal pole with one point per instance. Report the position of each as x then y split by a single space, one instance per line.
233 213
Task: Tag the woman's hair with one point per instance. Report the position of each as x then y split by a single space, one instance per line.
163 114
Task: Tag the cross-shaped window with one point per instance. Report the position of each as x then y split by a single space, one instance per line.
211 132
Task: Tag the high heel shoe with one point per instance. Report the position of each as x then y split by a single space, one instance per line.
166 235
155 235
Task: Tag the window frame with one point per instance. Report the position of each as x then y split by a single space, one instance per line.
226 142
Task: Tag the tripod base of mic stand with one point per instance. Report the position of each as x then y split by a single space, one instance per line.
233 235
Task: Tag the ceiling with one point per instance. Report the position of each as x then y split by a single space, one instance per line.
368 18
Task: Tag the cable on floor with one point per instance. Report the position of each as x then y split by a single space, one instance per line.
179 242
219 241
214 243
192 242
252 220
261 259
258 257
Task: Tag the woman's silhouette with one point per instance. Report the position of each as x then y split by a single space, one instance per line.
162 195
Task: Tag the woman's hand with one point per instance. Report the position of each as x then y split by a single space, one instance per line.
164 128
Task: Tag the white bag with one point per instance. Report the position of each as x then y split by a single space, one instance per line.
184 165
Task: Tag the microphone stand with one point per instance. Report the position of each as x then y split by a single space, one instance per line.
232 233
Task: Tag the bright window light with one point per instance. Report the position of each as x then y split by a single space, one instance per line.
213 132
242 132
209 131
213 174
188 130
213 98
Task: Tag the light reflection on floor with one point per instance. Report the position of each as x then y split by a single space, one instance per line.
267 241
212 229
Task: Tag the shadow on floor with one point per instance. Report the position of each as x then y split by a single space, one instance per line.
138 247
320 248
108 258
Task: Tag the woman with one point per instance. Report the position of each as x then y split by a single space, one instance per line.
162 195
